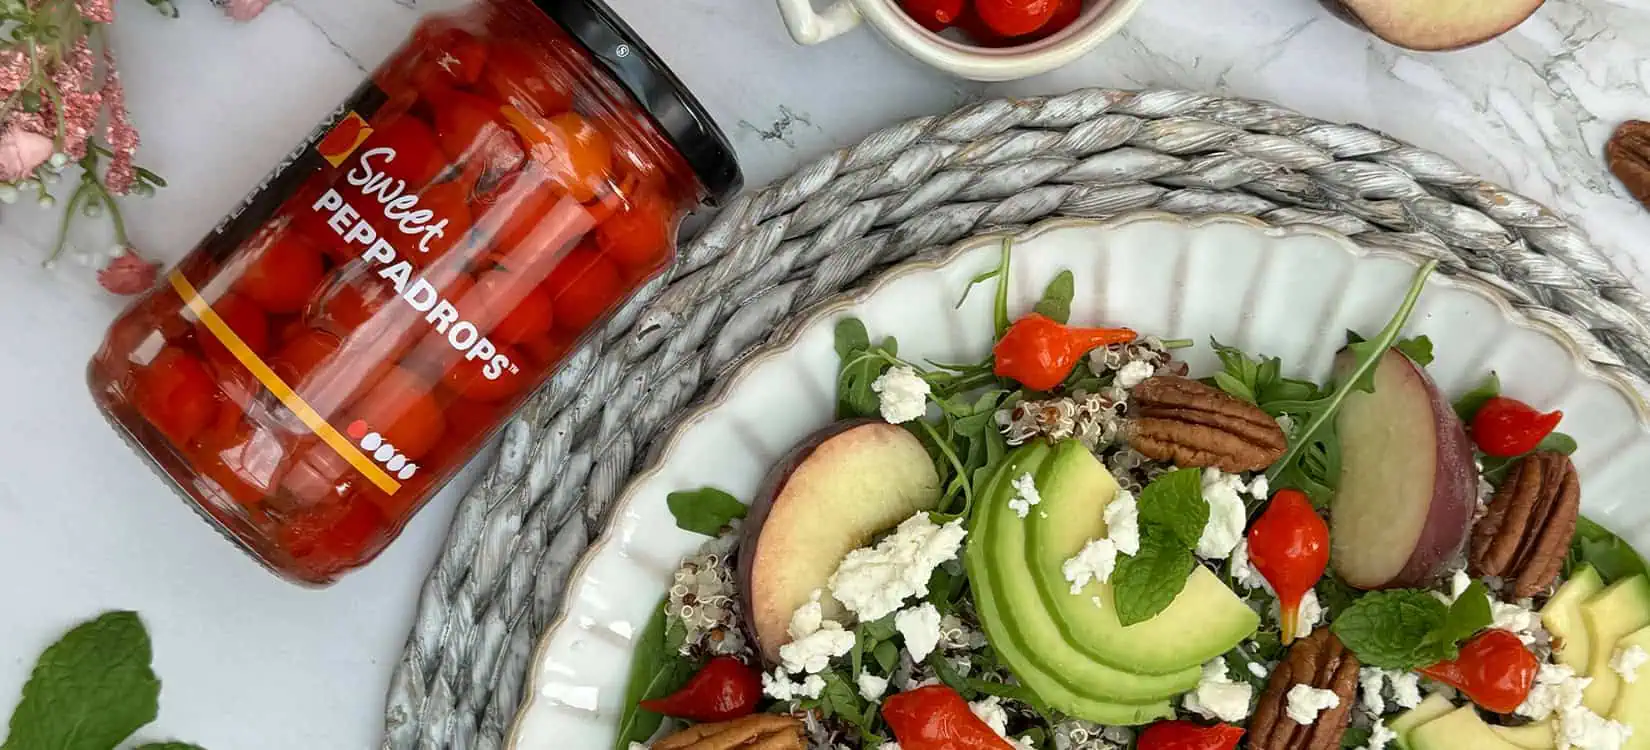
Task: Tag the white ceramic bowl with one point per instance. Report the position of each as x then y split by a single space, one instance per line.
1100 19
1291 292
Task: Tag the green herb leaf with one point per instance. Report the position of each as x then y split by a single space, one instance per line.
1496 468
887 656
1389 629
1056 301
1356 737
1335 595
1467 406
90 690
1362 377
861 365
1235 387
170 746
1613 558
655 672
948 675
999 311
840 699
1418 349
1468 615
1147 583
1175 502
705 511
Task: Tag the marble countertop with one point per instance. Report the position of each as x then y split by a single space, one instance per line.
250 662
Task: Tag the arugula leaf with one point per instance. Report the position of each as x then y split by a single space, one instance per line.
1335 595
948 675
1497 468
1613 558
1321 412
1467 406
840 699
655 672
1147 583
1418 349
1469 614
862 364
1356 737
1389 629
887 656
945 587
90 690
705 511
999 311
1056 301
1175 502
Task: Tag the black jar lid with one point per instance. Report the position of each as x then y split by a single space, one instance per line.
680 116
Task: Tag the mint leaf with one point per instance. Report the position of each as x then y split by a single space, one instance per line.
1389 629
656 670
1467 406
705 511
1175 502
1468 615
1056 301
1146 584
90 690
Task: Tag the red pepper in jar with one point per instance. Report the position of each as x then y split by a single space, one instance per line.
1506 427
1039 353
1495 670
1186 735
937 718
1012 18
722 690
1289 545
934 15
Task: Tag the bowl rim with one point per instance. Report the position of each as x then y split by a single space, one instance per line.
788 334
1096 25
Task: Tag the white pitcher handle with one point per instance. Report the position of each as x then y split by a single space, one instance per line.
810 27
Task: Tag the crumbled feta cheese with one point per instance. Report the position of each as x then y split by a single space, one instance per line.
1584 730
874 581
1556 687
1217 697
1307 617
990 710
1122 519
782 688
902 394
1458 585
1260 488
1243 573
1134 373
1380 736
1258 669
1371 685
1095 562
637 746
1025 495
1228 516
1406 688
871 687
1519 620
1306 702
1628 662
815 641
920 626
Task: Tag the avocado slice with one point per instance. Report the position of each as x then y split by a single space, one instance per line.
1458 730
1537 736
1633 702
1002 628
1562 618
1610 616
1205 621
1432 707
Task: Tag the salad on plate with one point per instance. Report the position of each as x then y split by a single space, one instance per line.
1077 544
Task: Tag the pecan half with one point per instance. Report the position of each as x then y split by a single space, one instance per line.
1194 425
754 732
1628 154
1318 660
1526 532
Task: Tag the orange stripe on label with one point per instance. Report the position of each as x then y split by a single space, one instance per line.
311 419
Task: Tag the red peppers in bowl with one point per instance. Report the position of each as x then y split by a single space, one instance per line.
996 23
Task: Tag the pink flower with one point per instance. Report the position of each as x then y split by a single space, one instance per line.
21 152
100 11
128 274
246 10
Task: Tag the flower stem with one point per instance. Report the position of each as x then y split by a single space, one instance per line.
63 228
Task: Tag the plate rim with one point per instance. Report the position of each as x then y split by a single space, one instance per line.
789 334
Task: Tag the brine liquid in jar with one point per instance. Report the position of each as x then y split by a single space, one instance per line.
336 349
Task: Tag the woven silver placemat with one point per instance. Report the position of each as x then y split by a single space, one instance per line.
924 183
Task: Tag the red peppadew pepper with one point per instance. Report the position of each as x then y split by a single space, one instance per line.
937 718
1506 427
1495 670
1289 545
1012 18
1186 735
934 15
1039 353
722 690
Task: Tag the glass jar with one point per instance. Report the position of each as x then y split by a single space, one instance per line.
337 348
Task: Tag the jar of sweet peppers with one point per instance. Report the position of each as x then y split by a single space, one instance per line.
311 373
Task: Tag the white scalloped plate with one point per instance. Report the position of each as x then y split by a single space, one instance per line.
1290 292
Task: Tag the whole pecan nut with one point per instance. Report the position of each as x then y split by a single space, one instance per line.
1195 425
1526 532
754 732
1628 154
1320 661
